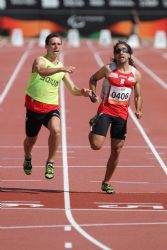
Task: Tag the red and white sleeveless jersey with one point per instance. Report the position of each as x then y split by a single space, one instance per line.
116 92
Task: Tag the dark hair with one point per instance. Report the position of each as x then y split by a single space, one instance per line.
51 35
130 51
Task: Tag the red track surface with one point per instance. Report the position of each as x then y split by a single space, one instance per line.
42 214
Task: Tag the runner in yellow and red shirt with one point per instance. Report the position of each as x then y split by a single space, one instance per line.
120 78
42 101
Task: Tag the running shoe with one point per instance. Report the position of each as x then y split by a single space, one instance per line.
49 172
107 188
27 166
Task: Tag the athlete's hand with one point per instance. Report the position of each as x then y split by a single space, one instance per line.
85 92
138 114
69 69
93 97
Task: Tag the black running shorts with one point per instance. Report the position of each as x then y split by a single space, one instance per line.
34 121
118 127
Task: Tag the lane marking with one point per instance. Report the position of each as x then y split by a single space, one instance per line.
16 204
16 71
126 224
131 205
148 141
135 182
20 201
5 180
32 227
68 245
67 228
151 73
132 115
87 166
86 225
82 146
150 203
102 206
66 177
87 209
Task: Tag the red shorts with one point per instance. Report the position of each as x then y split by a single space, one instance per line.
39 107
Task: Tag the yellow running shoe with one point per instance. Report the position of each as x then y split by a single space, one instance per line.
49 171
27 166
107 188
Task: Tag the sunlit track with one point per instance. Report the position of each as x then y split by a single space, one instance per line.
16 71
103 63
67 201
72 206
151 73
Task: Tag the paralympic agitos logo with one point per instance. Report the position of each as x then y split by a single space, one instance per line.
78 22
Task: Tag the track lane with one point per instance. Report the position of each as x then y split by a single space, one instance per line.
144 181
19 193
85 203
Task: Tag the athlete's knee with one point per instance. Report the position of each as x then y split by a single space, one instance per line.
30 140
116 147
95 146
95 143
55 131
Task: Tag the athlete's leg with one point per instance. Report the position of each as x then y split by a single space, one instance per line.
28 145
96 141
116 146
118 134
32 126
99 130
54 137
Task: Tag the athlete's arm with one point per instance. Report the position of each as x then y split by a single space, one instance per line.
137 95
73 88
101 73
40 67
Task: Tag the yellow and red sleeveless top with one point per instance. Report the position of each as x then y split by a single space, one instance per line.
116 92
42 93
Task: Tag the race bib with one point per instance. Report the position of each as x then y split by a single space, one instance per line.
119 95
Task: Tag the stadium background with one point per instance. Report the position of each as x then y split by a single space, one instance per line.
88 16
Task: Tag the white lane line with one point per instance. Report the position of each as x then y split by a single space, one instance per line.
19 201
66 178
125 182
45 209
81 147
126 224
16 71
68 245
89 209
86 225
150 73
133 117
148 141
87 166
67 228
32 227
136 182
7 180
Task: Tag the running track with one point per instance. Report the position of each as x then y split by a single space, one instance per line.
70 211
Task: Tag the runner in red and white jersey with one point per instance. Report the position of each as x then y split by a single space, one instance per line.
116 92
120 78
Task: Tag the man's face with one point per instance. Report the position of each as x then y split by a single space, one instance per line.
54 46
121 53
